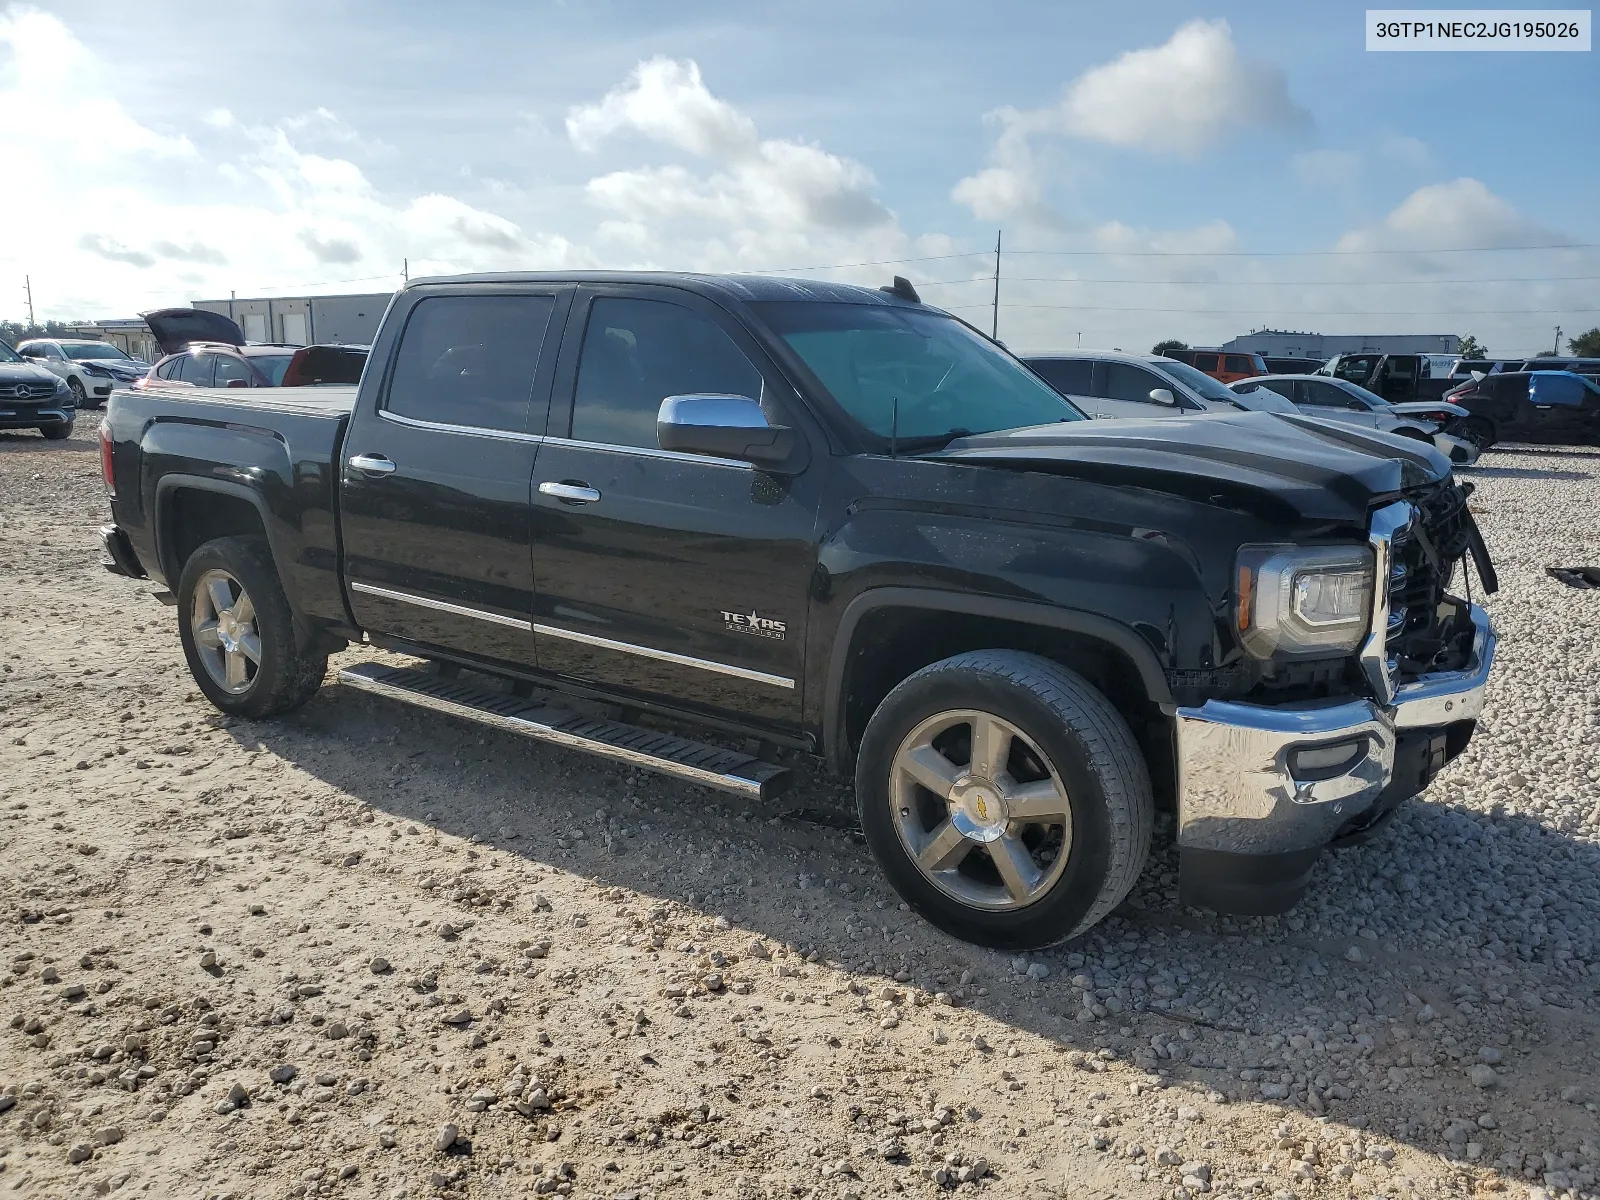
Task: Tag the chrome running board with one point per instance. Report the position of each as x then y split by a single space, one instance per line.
712 766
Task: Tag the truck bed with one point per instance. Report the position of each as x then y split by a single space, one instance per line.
329 401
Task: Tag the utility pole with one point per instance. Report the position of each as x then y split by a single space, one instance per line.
1557 347
405 269
994 325
27 282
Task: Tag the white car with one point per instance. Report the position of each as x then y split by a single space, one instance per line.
1112 383
92 369
1350 403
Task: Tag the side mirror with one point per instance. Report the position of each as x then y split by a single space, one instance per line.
1163 396
238 383
723 427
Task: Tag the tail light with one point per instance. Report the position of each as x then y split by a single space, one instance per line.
105 461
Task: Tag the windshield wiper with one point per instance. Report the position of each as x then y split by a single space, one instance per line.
932 441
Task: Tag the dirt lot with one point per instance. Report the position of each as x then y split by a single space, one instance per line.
367 951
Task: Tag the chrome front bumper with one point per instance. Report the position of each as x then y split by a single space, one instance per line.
1242 790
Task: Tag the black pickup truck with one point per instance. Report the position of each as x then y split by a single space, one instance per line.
619 511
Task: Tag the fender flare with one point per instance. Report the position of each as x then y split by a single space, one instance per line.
1025 612
168 484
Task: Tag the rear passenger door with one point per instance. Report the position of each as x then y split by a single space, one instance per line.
437 469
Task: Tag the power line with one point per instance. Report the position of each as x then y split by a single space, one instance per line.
1308 253
1318 312
1257 282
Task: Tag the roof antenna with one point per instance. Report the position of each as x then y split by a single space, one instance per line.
894 428
903 289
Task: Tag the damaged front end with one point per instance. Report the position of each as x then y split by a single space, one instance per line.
1263 790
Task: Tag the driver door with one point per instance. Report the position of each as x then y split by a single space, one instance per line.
1123 390
662 574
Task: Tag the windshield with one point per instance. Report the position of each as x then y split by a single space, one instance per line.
945 378
1195 381
91 350
272 366
7 354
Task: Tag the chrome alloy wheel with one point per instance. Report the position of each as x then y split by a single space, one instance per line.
980 810
223 622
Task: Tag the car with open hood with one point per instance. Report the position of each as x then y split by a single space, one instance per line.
207 349
32 397
705 524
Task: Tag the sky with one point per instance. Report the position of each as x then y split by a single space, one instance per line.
1154 170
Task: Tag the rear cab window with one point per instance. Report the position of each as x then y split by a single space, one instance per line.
467 362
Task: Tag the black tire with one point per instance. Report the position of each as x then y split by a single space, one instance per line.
57 433
289 670
1080 735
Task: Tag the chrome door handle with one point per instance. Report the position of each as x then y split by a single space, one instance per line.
570 493
372 464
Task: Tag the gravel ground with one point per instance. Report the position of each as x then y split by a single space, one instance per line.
366 951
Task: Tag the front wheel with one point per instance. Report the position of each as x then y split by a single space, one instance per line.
239 634
80 397
1005 799
57 433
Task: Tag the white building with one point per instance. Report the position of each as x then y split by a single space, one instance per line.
303 320
1284 343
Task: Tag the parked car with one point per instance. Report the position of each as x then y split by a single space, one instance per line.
32 397
833 520
207 349
1580 366
1113 383
1529 406
1223 366
1466 368
89 381
1292 366
1398 378
1341 400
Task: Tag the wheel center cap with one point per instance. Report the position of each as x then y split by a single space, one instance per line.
978 810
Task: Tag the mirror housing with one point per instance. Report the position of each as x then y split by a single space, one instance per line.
723 427
1164 396
237 383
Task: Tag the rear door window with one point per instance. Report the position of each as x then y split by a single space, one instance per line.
1124 381
196 369
1072 376
228 369
1237 364
636 353
469 361
1205 362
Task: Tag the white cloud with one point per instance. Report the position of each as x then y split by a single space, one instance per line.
1178 99
121 216
1182 97
1462 212
746 202
665 101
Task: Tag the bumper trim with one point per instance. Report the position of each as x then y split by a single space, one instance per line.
1237 783
123 561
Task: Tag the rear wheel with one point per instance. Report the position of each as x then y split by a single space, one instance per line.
238 632
1005 798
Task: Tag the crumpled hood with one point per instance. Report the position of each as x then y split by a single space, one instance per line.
1419 408
1322 470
